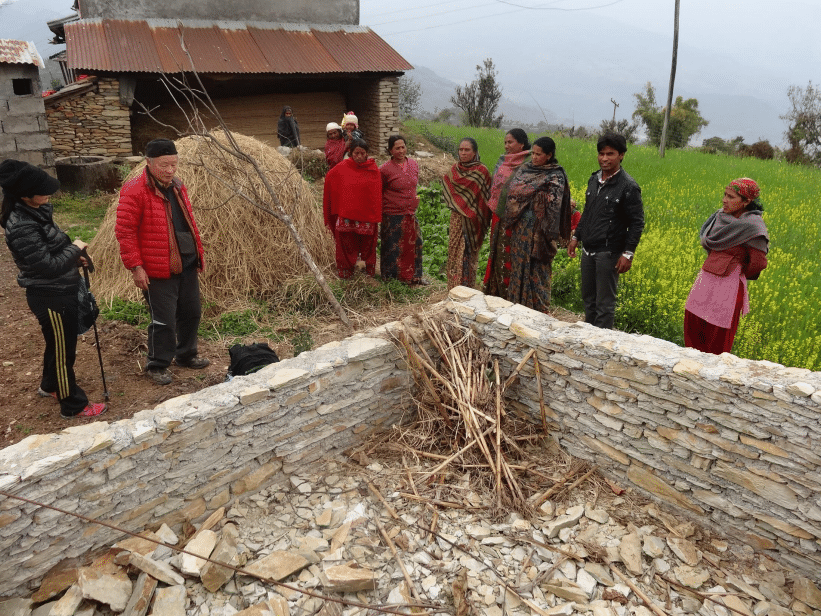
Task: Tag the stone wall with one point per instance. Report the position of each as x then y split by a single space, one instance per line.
729 442
732 443
377 107
191 454
291 11
88 119
23 128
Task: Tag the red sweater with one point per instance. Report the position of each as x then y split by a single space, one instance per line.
144 226
353 191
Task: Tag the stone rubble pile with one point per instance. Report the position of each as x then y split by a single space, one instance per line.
322 534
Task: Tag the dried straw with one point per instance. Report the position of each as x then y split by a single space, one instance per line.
249 254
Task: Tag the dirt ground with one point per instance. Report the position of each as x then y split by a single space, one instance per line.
23 412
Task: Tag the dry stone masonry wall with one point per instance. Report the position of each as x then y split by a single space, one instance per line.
730 442
733 443
88 119
191 454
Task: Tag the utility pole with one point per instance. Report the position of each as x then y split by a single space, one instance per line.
615 104
672 82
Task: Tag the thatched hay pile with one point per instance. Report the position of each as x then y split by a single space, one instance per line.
248 253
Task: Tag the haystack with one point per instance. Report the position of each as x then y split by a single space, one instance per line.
249 254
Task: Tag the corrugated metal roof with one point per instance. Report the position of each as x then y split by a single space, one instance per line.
152 46
19 52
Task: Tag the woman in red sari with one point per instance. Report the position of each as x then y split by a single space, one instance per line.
352 204
736 240
401 236
517 151
467 188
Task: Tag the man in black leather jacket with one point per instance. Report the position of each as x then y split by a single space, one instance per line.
609 231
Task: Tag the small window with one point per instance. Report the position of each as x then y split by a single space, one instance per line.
22 87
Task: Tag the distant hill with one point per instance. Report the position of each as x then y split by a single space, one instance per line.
436 93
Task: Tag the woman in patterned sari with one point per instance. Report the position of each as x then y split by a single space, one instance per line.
533 211
400 234
467 188
517 151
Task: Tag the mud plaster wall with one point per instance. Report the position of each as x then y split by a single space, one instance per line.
730 442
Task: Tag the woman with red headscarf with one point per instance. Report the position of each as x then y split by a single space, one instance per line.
736 240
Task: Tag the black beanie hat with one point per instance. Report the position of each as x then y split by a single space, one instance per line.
20 179
160 147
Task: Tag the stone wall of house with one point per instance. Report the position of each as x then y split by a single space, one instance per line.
732 443
23 129
377 106
88 119
191 454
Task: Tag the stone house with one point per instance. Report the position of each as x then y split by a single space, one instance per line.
23 128
251 58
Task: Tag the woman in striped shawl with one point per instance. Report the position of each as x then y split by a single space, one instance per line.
467 188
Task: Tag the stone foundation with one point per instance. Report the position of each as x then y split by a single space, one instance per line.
729 442
88 119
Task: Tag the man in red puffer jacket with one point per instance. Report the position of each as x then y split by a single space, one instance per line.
160 244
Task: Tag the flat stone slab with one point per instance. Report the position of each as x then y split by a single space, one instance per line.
278 565
343 578
113 589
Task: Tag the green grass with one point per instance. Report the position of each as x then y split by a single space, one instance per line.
679 192
80 216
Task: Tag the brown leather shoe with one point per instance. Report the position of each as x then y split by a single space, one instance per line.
196 363
161 376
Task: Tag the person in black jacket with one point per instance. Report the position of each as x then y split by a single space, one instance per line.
288 128
609 231
48 262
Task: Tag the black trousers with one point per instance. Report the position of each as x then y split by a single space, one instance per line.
600 282
57 315
175 317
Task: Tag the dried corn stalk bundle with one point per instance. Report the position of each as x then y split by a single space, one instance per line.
462 419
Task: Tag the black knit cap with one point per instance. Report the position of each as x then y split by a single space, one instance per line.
160 147
20 179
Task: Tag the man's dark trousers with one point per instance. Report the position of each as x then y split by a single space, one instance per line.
175 317
599 287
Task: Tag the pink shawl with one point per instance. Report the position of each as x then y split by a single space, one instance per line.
510 163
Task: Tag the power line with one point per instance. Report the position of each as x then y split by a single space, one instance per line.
415 8
518 8
555 8
431 14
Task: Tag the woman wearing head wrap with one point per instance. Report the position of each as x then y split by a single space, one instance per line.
352 205
48 262
400 254
534 212
335 145
736 240
517 149
288 128
467 188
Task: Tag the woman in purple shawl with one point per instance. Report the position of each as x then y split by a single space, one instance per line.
736 241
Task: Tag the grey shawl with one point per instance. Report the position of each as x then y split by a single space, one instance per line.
723 231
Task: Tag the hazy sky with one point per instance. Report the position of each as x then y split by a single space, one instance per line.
764 33
568 53
737 58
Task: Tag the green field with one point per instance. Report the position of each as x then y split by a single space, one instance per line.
679 192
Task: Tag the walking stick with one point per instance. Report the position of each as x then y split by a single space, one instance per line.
86 270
